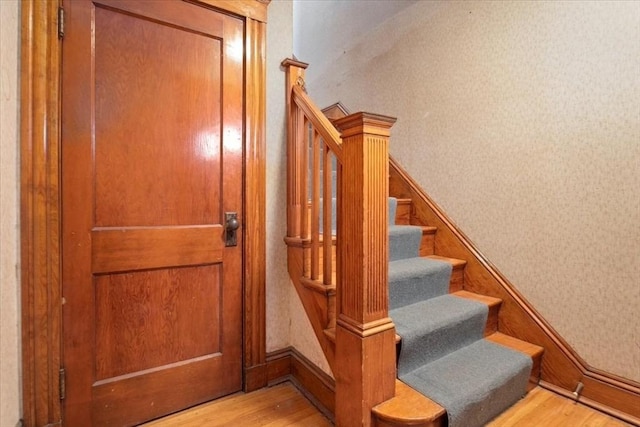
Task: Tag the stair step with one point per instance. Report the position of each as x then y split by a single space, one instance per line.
404 241
474 383
403 212
417 279
492 303
408 408
457 275
436 327
408 241
532 350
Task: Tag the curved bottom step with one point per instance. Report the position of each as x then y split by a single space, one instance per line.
474 383
409 408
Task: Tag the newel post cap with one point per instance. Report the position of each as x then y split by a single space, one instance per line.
365 123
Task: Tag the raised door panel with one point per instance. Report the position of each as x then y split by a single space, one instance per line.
151 161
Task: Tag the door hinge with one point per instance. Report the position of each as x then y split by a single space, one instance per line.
60 23
63 384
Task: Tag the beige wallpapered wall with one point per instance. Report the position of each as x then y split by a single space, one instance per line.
279 45
287 323
9 182
522 120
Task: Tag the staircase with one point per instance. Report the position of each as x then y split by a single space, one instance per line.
380 273
450 348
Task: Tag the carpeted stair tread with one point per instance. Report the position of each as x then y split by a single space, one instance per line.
404 241
532 350
417 279
456 282
393 208
474 383
493 304
433 328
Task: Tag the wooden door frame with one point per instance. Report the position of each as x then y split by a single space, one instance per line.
40 215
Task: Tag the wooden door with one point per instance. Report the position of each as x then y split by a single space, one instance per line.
152 104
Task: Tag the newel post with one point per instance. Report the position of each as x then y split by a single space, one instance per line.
365 335
296 153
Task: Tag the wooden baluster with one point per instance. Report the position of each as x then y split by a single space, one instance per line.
365 335
315 206
294 76
327 201
303 180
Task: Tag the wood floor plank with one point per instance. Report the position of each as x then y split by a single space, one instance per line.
541 407
284 406
279 406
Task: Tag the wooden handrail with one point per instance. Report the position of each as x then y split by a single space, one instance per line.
349 214
318 120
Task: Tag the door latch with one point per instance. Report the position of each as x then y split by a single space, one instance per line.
231 225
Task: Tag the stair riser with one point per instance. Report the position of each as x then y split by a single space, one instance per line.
492 321
457 279
427 244
441 422
403 212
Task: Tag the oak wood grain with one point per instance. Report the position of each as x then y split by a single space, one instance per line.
409 408
256 10
280 405
365 335
39 213
254 164
126 249
147 133
539 407
542 408
40 198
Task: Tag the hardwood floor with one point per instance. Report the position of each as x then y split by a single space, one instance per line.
541 407
277 406
284 405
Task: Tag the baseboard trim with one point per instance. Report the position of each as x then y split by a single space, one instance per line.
255 377
591 403
288 364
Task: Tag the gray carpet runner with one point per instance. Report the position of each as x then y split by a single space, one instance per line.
443 354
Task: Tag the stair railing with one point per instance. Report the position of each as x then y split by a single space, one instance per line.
364 362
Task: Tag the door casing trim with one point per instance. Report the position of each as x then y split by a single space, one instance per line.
40 220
